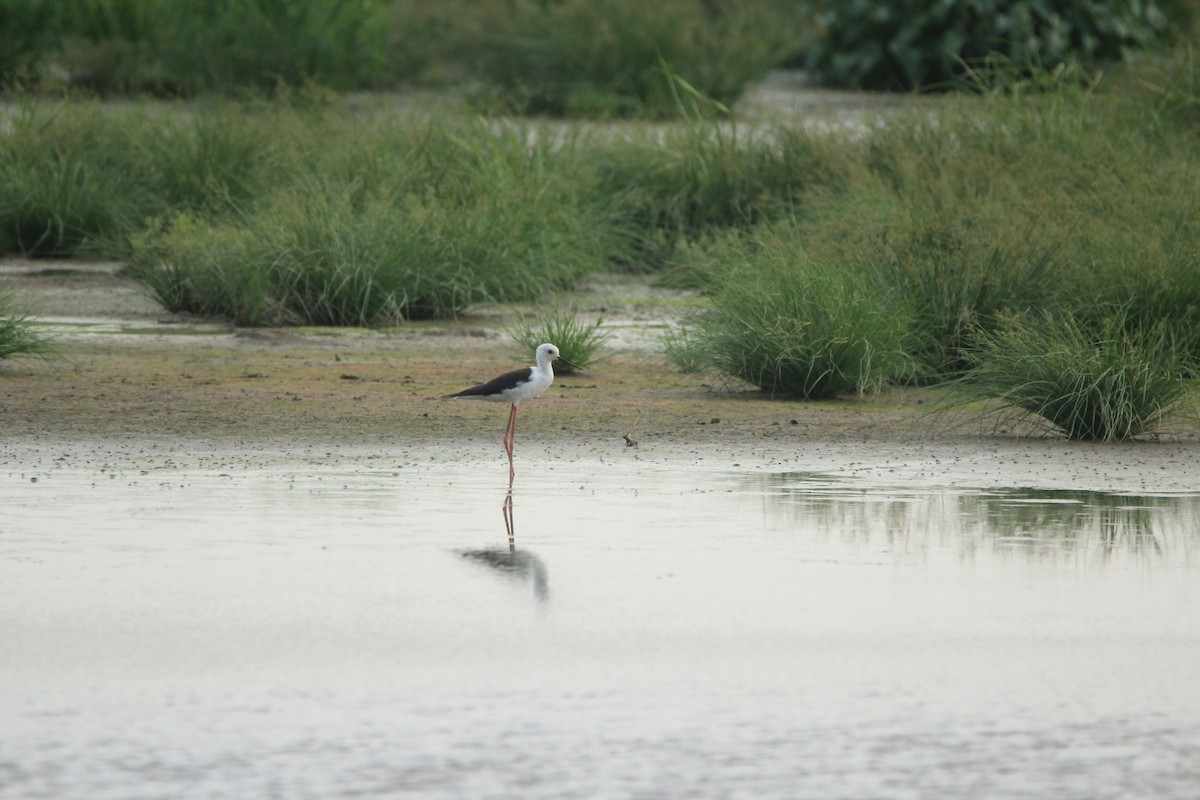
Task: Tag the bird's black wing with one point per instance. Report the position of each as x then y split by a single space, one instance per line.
495 386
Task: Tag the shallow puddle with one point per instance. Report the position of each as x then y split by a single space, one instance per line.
655 629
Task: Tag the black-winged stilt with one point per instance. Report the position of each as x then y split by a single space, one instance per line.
513 387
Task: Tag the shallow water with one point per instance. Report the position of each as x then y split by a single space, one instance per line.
335 628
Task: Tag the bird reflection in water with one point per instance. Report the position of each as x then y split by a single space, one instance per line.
519 565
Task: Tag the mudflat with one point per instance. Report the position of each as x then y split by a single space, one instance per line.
125 372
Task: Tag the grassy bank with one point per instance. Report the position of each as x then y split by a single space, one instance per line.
834 262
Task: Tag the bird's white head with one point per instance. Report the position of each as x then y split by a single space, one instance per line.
547 353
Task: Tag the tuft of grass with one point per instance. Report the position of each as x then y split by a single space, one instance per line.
16 335
1106 384
792 325
684 348
205 268
577 340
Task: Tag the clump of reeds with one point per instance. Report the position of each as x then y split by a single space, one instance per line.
17 337
206 268
447 217
1106 384
792 325
67 179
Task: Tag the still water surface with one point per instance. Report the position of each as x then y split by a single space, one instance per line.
318 631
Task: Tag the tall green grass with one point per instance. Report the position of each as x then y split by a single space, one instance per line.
1059 199
81 175
1064 203
947 220
702 177
67 179
1107 383
421 222
17 337
566 56
206 268
217 159
790 324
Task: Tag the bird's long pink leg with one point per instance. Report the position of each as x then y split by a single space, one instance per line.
510 433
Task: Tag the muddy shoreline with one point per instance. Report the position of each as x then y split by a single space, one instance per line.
128 380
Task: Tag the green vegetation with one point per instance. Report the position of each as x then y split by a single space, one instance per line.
401 223
790 324
558 57
1013 205
701 177
917 247
1106 384
66 180
16 336
576 340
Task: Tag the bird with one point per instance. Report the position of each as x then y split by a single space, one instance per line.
513 387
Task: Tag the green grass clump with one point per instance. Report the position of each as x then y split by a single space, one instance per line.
206 268
80 175
581 58
953 277
576 339
67 179
1021 202
790 324
217 159
1106 384
418 223
16 335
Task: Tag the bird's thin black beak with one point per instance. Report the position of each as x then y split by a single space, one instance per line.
573 366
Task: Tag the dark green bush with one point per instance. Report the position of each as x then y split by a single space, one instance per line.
903 44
